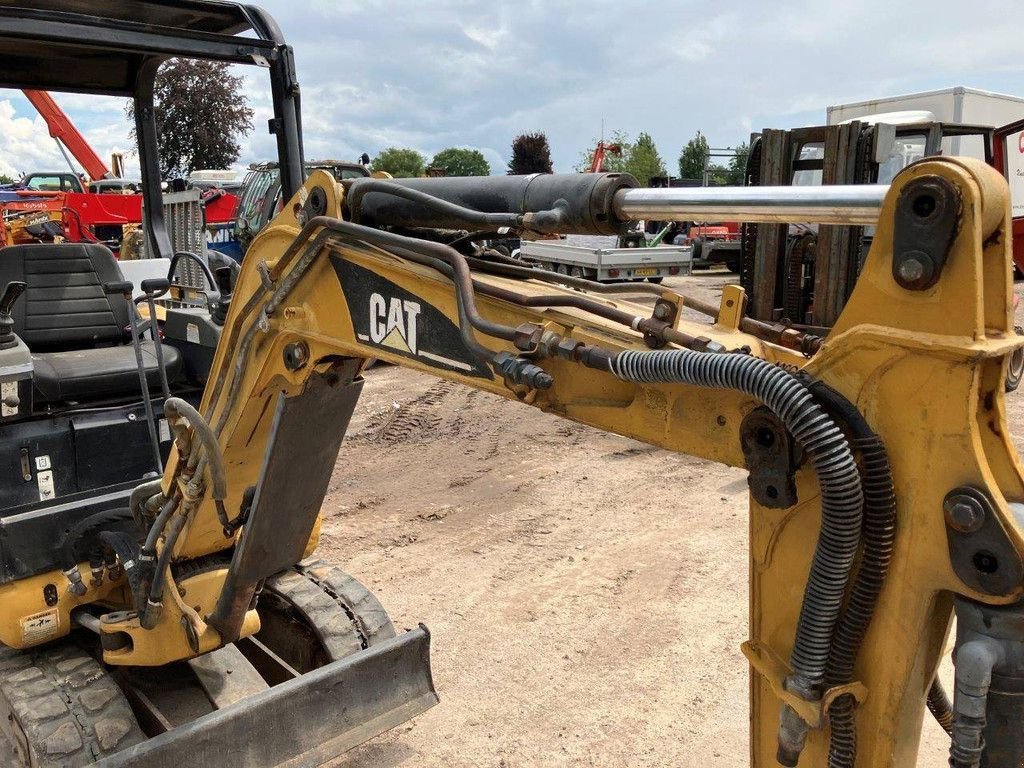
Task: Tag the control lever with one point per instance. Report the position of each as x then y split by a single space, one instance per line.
220 309
125 289
11 295
154 288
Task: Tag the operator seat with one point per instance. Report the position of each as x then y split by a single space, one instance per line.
79 335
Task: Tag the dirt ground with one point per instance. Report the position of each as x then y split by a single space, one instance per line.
586 594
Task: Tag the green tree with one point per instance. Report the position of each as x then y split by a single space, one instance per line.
400 163
694 158
613 163
737 169
456 161
5 179
530 154
643 161
201 114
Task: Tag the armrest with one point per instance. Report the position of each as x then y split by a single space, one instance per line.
123 287
155 286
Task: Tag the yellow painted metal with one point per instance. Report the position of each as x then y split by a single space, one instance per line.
22 600
732 306
924 367
182 633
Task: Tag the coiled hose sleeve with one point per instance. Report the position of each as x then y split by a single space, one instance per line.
839 481
879 540
940 706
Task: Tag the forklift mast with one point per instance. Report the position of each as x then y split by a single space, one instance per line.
805 275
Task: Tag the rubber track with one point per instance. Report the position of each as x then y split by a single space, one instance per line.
317 591
69 709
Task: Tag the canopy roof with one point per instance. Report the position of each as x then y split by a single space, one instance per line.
102 46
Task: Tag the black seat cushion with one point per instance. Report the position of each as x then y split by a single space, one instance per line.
99 374
65 306
78 334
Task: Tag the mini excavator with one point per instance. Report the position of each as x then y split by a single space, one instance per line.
160 604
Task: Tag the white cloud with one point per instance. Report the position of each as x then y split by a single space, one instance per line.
475 73
25 143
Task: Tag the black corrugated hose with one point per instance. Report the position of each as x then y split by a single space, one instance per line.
879 538
940 706
839 482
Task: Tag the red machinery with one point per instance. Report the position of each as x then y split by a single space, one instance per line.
64 131
92 216
597 162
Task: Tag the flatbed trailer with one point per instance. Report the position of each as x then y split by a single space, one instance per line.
594 260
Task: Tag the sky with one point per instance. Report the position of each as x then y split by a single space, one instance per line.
475 73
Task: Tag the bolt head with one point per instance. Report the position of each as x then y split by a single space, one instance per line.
964 514
911 270
661 311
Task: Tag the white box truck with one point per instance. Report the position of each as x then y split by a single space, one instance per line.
961 105
949 105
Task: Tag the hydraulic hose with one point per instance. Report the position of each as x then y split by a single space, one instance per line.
842 499
149 547
940 706
127 549
174 409
879 539
362 187
154 606
775 333
140 495
85 532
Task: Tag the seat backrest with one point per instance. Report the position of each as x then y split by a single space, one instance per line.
65 306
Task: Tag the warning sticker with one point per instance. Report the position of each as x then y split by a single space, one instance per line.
40 626
192 333
45 480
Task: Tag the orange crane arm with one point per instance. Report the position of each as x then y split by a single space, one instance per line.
64 131
597 162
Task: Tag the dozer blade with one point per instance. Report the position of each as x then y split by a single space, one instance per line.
306 721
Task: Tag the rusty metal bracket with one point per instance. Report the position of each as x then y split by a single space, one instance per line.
770 456
773 669
982 555
926 221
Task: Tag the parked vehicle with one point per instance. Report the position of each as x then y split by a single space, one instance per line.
260 199
598 258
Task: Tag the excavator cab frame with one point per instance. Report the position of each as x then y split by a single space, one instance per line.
115 49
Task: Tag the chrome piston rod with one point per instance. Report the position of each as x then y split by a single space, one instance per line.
855 204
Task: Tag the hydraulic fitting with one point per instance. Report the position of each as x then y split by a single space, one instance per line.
75 584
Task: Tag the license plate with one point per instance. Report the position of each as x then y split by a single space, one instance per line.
645 272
